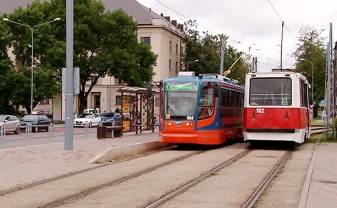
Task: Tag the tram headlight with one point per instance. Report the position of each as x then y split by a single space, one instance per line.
189 123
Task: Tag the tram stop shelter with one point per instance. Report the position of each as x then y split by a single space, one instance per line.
138 110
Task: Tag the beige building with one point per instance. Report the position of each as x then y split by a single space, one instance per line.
163 35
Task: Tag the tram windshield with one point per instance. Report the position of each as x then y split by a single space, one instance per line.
180 100
270 91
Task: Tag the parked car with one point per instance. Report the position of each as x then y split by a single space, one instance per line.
96 111
10 123
86 120
111 119
38 122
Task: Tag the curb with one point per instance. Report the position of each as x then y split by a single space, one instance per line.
115 153
306 186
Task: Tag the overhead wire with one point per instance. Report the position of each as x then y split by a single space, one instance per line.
291 35
229 39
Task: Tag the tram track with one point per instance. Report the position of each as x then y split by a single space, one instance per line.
255 196
85 192
250 202
71 174
195 181
233 161
112 183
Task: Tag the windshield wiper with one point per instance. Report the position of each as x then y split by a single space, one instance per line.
169 108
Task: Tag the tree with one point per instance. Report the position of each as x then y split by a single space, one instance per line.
105 43
20 44
6 69
206 49
310 49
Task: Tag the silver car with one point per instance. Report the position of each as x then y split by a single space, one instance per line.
9 123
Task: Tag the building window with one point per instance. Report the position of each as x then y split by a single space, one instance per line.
118 81
177 66
118 100
177 49
170 46
170 64
44 102
97 101
145 40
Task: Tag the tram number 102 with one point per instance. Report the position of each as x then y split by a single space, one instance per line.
259 110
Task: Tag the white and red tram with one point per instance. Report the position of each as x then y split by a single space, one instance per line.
276 107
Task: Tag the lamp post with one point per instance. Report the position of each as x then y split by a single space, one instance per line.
32 40
188 63
312 77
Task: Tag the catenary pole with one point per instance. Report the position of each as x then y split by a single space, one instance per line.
281 46
68 142
222 56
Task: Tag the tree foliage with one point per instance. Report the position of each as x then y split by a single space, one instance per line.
105 43
20 45
205 47
311 61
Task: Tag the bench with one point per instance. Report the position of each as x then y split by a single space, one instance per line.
109 131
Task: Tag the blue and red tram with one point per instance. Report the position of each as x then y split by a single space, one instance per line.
205 109
276 107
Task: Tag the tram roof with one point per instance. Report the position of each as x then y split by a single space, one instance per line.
277 74
190 77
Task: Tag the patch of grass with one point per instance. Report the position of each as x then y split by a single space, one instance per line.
317 121
322 138
58 122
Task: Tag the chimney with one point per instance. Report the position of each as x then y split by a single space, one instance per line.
167 18
162 14
174 22
181 27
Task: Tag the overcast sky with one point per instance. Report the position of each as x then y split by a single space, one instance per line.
254 23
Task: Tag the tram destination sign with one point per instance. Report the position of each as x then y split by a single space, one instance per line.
189 86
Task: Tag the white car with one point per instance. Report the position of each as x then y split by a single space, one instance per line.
87 120
9 123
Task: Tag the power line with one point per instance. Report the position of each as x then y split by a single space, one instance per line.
291 35
229 39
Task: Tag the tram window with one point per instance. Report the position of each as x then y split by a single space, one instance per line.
206 103
270 91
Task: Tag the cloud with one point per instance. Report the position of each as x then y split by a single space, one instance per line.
255 23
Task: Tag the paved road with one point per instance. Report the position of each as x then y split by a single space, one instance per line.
12 140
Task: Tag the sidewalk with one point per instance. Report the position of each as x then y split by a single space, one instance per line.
27 164
320 188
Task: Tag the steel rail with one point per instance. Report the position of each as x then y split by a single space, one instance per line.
195 181
91 190
252 199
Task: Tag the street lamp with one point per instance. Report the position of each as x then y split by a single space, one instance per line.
312 77
188 63
32 66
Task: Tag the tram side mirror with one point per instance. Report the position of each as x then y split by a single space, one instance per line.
149 90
